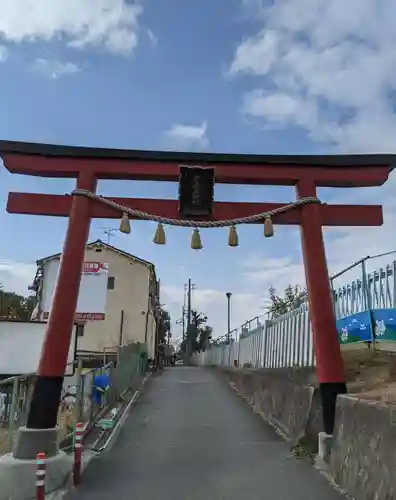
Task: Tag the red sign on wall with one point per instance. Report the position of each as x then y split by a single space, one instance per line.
94 267
81 316
91 304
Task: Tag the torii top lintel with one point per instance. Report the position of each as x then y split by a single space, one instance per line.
46 160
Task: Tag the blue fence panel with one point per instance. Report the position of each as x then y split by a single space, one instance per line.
385 325
355 328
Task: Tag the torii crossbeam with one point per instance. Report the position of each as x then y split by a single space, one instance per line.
88 165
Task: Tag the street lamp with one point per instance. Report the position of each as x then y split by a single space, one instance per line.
228 295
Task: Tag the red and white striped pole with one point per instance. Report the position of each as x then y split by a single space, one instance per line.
78 454
40 476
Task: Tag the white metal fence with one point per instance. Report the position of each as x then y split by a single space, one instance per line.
376 290
286 341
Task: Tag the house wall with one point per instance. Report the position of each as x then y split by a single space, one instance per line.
130 294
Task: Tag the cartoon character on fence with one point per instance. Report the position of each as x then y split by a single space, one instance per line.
380 328
344 334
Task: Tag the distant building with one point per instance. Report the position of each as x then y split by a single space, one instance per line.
132 299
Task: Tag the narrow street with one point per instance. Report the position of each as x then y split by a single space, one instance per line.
190 438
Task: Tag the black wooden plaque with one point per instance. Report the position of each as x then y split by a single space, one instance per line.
196 188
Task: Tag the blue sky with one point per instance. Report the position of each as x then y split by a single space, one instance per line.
238 76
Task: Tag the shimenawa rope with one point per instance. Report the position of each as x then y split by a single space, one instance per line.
196 224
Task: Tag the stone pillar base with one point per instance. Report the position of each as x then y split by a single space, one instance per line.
29 442
18 476
324 447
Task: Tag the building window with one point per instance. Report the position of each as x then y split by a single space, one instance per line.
80 330
98 249
110 283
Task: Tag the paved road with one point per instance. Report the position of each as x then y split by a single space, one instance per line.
190 438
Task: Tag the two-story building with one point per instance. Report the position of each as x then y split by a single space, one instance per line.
131 305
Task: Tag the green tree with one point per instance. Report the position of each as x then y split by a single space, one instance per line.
13 305
199 333
164 327
293 297
204 338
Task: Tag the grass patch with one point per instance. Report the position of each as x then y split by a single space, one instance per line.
304 449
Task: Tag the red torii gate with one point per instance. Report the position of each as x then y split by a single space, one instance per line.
88 165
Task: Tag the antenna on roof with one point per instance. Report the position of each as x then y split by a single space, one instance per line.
109 232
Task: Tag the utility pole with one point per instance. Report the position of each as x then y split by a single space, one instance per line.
184 313
228 295
190 287
189 303
183 321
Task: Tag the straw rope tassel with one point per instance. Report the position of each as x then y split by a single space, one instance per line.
125 225
160 236
268 227
233 240
196 243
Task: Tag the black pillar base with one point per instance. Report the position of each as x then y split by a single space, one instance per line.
43 411
329 392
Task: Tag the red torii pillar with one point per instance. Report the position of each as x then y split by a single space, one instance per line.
89 164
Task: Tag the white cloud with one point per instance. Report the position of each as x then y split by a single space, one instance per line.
280 108
256 55
55 69
344 246
185 137
328 67
266 272
3 53
17 276
108 24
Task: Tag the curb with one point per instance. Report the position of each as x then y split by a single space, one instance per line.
113 436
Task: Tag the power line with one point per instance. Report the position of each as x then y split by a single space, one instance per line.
10 262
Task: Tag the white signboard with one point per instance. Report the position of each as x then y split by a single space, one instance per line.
20 347
91 305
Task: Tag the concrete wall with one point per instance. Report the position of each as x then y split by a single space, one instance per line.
363 457
283 397
131 295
